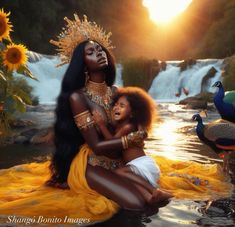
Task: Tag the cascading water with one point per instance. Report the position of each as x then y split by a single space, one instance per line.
164 87
44 69
168 83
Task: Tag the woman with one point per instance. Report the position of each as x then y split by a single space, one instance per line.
86 87
80 159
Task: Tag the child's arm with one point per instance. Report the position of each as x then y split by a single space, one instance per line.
126 129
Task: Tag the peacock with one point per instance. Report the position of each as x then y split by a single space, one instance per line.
225 103
219 135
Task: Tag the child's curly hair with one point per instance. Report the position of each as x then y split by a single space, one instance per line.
143 107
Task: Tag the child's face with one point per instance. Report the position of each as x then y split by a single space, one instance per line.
121 110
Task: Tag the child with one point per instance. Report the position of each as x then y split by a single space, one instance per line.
132 109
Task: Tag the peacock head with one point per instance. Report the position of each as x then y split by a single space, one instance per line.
196 117
217 84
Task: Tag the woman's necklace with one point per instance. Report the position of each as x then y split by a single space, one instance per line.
101 94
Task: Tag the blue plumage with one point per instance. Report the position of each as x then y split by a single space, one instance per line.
225 109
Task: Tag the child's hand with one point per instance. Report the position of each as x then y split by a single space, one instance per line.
98 118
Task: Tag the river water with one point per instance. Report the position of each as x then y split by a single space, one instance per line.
173 136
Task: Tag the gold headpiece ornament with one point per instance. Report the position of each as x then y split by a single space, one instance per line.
77 31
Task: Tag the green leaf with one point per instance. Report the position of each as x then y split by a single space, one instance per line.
26 72
20 104
2 76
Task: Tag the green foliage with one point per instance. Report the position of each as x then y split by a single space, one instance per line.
229 75
15 93
138 72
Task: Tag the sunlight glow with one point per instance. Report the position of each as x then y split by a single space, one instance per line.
164 11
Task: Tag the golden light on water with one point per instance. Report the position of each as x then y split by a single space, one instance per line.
166 133
164 11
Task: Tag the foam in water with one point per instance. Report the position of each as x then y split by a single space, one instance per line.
171 81
50 77
164 87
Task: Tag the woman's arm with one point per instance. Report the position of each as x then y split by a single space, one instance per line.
122 131
99 121
110 148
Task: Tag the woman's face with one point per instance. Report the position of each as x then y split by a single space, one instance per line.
95 57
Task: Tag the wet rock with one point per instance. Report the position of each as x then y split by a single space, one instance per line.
21 123
183 65
35 136
30 132
191 61
25 136
163 65
196 102
43 136
211 73
38 108
21 139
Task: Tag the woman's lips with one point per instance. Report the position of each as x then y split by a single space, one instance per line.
102 60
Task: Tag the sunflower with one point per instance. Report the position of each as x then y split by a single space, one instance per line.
5 25
14 56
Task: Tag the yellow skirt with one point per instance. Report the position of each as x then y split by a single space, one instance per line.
23 194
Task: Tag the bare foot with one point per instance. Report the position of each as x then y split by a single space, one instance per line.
159 196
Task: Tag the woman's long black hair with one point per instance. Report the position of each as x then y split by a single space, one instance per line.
68 138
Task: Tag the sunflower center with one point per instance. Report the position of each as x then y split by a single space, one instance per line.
13 55
3 26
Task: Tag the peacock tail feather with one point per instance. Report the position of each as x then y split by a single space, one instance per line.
229 97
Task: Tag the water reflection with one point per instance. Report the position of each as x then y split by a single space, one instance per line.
173 137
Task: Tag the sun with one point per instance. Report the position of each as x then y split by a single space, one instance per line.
164 11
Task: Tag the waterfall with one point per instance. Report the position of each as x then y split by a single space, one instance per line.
164 87
44 69
171 81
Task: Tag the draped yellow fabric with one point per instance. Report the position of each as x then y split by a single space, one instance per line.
22 193
192 180
22 190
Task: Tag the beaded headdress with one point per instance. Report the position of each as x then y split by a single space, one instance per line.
77 31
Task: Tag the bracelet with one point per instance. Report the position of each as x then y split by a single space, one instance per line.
124 142
84 120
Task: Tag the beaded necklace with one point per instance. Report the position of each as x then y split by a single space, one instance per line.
101 94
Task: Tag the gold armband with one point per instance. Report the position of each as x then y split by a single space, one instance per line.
124 142
84 120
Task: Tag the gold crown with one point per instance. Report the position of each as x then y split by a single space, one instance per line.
77 31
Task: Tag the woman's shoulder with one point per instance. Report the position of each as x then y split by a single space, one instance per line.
77 95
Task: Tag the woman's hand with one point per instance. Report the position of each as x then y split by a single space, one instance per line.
98 118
